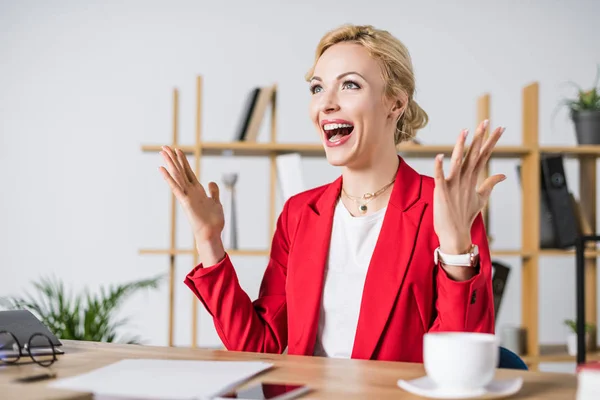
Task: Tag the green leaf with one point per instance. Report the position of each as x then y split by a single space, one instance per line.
573 326
82 316
586 99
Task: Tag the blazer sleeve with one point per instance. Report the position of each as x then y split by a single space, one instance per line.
467 305
243 324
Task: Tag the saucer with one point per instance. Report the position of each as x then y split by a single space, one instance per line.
425 387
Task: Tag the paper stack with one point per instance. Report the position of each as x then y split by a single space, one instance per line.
163 379
289 172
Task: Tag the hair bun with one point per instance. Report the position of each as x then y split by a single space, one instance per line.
413 119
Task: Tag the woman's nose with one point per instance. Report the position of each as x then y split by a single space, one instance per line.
330 103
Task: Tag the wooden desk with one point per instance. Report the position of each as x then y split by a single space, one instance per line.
331 378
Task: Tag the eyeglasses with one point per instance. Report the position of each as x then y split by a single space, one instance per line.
39 347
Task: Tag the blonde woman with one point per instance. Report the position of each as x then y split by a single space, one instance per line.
364 266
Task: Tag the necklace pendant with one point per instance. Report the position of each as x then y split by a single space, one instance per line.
363 208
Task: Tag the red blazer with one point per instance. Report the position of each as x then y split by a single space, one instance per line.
405 294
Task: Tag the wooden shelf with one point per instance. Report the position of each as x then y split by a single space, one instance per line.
528 154
431 151
155 148
591 253
510 253
557 353
494 253
568 252
254 253
573 151
265 253
316 150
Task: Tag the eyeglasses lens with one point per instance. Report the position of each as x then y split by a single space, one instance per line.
41 350
9 348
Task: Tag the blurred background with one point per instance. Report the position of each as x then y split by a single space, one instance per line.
84 84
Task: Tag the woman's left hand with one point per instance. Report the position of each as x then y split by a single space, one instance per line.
456 198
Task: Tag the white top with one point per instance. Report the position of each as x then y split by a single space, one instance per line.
352 242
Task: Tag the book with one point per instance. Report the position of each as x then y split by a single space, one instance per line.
555 190
244 122
289 173
500 275
263 99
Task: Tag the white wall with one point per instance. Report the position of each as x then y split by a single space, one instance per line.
83 85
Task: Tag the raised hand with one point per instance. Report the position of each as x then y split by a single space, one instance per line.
204 213
456 198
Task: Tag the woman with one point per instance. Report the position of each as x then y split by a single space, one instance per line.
364 266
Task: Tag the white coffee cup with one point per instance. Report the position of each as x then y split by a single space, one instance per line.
460 361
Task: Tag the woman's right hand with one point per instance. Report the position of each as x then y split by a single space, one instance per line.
204 213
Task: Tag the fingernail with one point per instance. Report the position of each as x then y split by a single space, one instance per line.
485 123
465 133
503 129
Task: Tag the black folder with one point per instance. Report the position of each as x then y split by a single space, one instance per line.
23 325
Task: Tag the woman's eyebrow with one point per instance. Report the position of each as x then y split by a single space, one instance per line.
340 76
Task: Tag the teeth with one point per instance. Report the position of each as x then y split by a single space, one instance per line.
329 127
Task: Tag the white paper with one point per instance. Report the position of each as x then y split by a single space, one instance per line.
163 379
289 171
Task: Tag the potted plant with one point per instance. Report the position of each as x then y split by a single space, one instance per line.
590 338
585 112
81 316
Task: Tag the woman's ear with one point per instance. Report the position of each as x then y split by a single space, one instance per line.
398 108
399 104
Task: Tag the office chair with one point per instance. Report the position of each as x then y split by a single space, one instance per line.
510 360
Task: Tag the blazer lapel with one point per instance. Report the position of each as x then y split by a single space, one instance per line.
389 262
311 251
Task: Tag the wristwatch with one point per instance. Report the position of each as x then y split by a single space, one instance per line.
468 259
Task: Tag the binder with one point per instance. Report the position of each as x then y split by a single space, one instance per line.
556 193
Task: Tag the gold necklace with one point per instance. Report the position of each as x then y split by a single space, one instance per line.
366 198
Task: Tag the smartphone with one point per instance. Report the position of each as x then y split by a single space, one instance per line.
268 391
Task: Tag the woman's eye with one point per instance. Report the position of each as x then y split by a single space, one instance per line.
315 89
350 85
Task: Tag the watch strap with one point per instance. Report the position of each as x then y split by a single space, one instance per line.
468 259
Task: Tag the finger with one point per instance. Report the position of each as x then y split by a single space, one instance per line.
485 190
175 188
439 171
213 189
457 154
171 153
473 152
488 147
175 173
191 177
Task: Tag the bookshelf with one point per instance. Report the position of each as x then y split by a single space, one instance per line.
528 154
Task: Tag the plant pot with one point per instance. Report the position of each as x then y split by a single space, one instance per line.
587 126
572 343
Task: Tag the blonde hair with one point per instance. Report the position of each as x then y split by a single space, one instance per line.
396 66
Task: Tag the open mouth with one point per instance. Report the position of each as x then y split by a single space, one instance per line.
337 131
